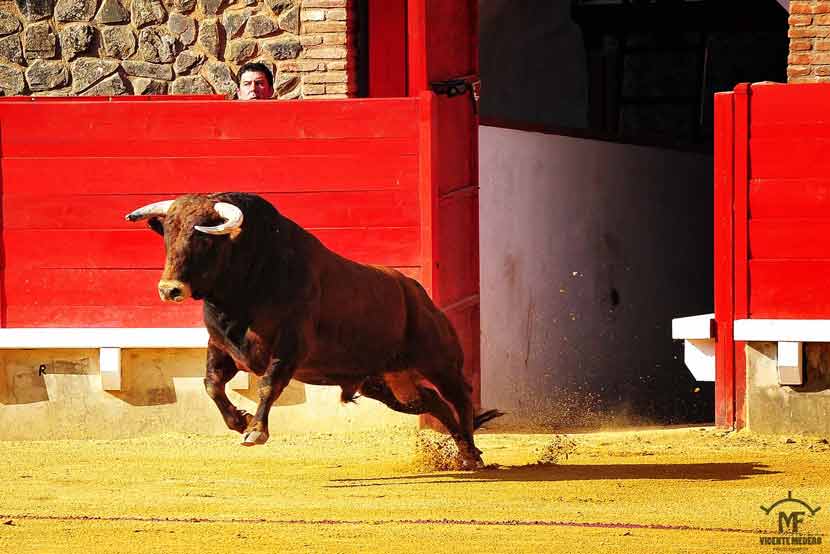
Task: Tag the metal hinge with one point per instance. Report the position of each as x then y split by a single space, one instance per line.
459 86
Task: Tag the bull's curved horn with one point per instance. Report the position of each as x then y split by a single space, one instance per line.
233 221
155 209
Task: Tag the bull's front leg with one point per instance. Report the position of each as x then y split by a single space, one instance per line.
271 385
219 370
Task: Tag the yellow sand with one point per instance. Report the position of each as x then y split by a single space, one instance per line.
378 492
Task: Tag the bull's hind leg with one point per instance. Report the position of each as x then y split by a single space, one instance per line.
400 393
457 393
221 369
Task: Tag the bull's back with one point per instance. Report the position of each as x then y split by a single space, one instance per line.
362 316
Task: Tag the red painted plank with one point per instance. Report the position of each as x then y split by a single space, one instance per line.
466 323
794 103
789 238
161 147
387 48
458 247
789 289
741 201
456 127
186 315
450 39
82 248
396 208
181 175
742 101
790 156
428 195
82 287
198 120
417 68
788 198
724 259
140 248
91 287
394 246
125 98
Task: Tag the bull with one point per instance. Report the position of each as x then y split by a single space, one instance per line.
279 304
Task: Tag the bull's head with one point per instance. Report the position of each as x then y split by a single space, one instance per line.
197 234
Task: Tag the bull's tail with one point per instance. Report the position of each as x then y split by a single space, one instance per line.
484 417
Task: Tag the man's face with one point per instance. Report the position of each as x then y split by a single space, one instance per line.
253 85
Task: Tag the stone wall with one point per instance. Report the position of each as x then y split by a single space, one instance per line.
117 47
809 60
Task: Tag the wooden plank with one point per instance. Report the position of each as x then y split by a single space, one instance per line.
741 200
788 198
101 310
792 155
198 120
82 287
35 210
724 259
124 98
742 111
185 315
794 103
143 249
392 246
789 289
162 147
428 195
101 288
789 238
450 39
417 77
466 324
458 246
387 48
186 175
456 127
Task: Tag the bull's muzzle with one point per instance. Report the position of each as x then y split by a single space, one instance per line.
173 291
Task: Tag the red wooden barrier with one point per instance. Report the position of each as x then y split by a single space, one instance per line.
772 194
348 170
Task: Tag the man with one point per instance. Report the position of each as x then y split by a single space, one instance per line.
255 82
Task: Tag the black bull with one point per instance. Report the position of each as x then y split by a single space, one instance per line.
279 304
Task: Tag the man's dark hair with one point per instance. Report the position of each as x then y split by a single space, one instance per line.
258 67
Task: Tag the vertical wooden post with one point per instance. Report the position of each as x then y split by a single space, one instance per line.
387 48
724 260
741 230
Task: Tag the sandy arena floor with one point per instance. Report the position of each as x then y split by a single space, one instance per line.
680 490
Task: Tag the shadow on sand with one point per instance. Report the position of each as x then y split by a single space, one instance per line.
726 471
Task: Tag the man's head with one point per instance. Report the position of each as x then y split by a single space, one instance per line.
255 82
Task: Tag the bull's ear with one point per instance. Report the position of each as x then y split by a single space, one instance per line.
156 225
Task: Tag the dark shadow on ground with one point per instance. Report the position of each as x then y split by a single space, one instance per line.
727 471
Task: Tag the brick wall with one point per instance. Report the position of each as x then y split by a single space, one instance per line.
117 47
809 59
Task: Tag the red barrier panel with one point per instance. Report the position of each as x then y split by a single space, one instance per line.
70 171
772 228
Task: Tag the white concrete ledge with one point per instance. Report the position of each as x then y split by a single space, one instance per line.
109 342
693 327
91 337
783 330
698 335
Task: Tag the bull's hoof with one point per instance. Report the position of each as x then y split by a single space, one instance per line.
468 464
253 438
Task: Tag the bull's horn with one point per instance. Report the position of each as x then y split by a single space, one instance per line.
155 209
233 221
